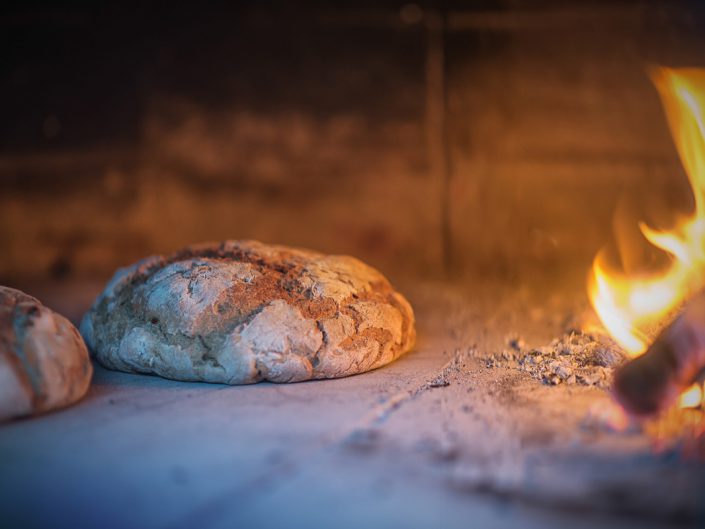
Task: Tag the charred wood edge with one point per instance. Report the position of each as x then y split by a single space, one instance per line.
652 382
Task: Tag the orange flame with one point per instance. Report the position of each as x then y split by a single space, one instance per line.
628 305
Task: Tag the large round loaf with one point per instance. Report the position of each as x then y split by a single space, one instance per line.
240 312
44 363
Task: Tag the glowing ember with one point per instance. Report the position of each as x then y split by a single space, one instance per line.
629 305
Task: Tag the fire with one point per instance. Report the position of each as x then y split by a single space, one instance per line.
629 306
691 397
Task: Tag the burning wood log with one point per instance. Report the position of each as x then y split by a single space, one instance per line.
653 381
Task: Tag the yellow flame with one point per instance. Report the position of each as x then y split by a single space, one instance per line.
629 304
691 397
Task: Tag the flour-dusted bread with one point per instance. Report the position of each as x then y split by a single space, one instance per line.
44 363
240 312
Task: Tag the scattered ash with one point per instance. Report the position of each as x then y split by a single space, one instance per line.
575 358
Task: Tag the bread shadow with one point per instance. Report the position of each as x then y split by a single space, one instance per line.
103 378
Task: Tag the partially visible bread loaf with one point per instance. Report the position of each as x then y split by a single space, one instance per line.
44 363
240 312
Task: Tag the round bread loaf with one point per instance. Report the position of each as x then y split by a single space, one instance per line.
241 312
44 363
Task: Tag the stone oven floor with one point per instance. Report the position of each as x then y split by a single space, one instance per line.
436 439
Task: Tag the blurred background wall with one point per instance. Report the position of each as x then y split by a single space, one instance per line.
431 139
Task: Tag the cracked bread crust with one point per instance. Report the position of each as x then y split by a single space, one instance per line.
241 312
44 363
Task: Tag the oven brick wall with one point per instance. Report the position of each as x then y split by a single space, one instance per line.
310 128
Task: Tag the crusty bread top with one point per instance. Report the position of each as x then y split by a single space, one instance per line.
197 297
43 354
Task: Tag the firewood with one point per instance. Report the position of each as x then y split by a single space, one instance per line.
652 382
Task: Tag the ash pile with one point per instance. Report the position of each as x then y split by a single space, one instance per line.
577 357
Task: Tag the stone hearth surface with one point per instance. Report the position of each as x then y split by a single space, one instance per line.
434 439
